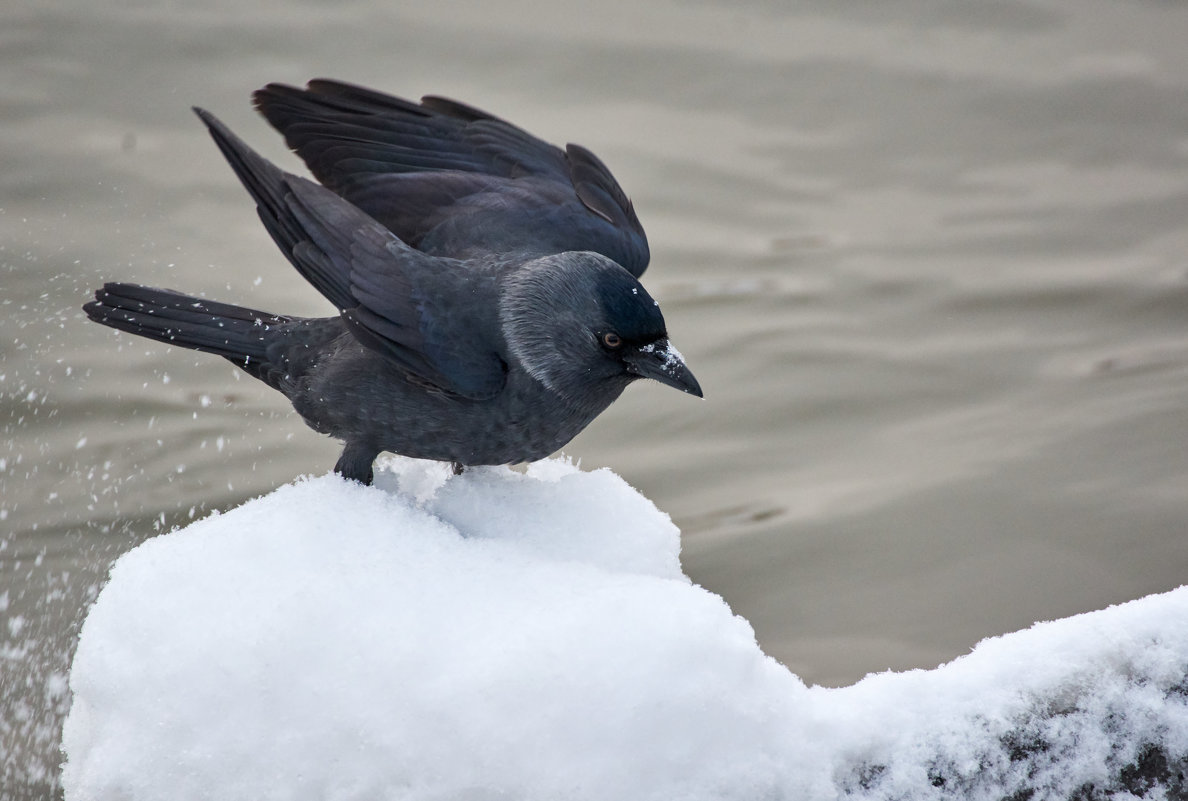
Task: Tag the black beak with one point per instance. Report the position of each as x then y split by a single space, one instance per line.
661 362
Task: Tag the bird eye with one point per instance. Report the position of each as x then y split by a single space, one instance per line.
611 339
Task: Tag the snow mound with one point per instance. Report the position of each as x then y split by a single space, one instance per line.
532 636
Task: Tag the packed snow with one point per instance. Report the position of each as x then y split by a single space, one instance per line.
531 636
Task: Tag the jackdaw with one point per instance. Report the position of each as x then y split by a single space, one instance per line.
486 282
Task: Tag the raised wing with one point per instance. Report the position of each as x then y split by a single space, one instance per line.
452 180
433 317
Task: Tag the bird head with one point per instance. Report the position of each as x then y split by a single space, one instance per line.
578 320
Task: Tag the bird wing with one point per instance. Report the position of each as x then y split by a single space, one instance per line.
410 307
452 180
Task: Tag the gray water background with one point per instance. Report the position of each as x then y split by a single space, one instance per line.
928 259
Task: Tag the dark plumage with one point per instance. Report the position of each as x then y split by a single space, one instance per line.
486 282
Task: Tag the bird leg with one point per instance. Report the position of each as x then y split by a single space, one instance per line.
355 462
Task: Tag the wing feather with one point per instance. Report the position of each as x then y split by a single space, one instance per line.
396 300
509 190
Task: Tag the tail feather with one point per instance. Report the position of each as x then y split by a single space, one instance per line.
233 332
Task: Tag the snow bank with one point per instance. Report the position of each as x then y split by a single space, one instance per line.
501 635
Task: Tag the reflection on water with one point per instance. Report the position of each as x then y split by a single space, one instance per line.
928 261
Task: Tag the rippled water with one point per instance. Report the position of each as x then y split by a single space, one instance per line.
928 260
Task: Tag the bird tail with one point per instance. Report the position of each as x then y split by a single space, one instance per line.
238 334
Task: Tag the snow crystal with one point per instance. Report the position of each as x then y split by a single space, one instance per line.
670 354
531 636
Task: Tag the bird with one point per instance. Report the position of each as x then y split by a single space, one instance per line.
486 282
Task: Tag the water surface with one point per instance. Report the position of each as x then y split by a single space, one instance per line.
929 262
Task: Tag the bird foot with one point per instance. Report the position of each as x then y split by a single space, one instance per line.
355 463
